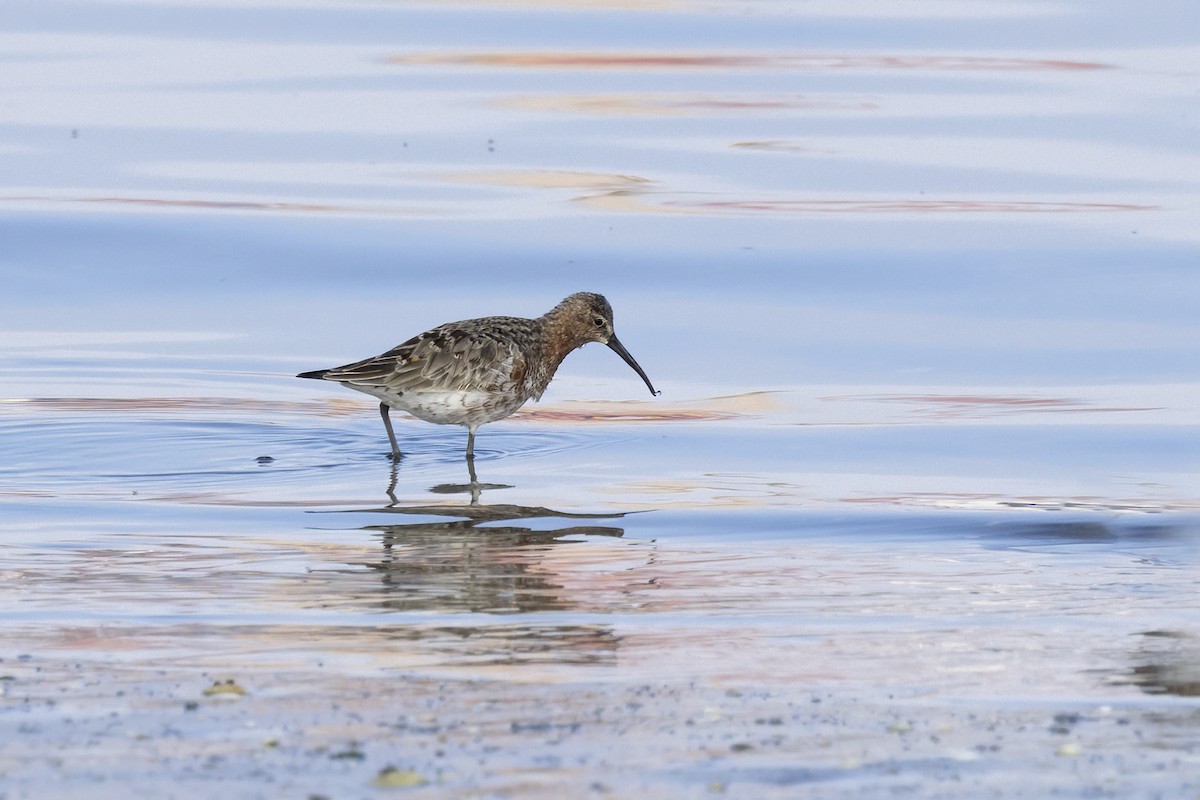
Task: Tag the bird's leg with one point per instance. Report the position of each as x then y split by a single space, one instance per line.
391 489
475 488
387 423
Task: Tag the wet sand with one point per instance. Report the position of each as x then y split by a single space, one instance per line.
313 732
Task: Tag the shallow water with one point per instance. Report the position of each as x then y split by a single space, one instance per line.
916 511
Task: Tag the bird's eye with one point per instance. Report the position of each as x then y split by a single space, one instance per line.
599 322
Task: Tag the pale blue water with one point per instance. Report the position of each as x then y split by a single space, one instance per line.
918 281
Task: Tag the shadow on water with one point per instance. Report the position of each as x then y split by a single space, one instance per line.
1165 662
1074 533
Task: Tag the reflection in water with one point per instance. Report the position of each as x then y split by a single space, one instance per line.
777 146
200 204
665 104
464 562
512 645
992 500
468 563
548 179
945 406
649 202
452 567
1167 662
644 201
618 193
473 487
806 61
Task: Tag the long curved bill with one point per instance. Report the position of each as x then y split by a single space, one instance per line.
615 344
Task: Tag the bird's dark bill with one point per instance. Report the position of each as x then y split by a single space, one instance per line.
615 344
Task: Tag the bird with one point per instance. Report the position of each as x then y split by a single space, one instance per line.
477 371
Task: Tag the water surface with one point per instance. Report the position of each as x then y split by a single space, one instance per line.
916 510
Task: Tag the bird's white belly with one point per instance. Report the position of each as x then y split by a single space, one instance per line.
451 408
463 407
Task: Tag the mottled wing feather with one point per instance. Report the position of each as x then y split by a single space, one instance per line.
451 357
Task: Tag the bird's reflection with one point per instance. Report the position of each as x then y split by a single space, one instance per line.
466 565
473 487
465 560
461 558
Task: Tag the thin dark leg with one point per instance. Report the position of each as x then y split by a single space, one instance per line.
391 490
475 489
387 423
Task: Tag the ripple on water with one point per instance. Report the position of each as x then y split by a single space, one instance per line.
53 454
164 456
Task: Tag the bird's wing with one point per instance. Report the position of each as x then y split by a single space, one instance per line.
451 357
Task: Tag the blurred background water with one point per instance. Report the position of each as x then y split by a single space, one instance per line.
919 282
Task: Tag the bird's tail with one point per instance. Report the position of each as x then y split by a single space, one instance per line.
316 374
